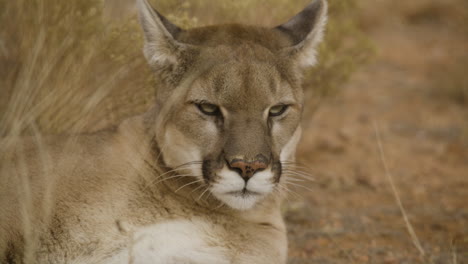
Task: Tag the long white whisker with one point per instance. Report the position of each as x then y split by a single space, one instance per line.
288 191
178 169
298 185
199 197
172 177
303 169
221 204
195 162
303 173
294 163
296 166
291 178
197 188
190 183
208 197
298 176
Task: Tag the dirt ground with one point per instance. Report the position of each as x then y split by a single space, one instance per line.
349 213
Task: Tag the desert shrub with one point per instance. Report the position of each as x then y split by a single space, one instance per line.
65 68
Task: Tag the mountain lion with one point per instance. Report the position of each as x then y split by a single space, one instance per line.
196 179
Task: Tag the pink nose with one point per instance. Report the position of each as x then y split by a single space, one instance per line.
247 169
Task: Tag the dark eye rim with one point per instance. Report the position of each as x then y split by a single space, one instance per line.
214 113
283 110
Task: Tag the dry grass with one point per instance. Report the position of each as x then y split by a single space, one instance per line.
397 196
67 71
60 68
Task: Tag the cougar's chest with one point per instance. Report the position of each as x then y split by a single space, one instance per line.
174 241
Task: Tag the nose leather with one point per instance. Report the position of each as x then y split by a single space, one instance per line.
247 169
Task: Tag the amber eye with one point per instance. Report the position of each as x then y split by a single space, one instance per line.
208 109
278 110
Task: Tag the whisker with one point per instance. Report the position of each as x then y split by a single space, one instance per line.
291 178
199 197
208 197
221 204
197 188
298 185
289 191
296 166
298 173
281 190
293 162
190 183
174 170
172 177
185 166
305 173
189 163
147 162
299 177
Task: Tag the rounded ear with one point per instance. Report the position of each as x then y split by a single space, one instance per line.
161 47
306 31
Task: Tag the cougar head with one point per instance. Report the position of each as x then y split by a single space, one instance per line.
230 98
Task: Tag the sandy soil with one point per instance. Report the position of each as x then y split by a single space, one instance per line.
349 214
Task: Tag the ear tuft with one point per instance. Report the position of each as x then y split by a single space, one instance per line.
306 31
161 47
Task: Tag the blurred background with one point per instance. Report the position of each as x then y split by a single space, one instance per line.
386 126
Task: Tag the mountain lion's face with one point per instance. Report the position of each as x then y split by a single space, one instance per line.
237 118
231 100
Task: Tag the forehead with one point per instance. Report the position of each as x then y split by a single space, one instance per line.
243 83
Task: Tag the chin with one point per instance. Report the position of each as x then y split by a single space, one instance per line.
240 201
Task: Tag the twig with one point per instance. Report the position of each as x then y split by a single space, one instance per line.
409 226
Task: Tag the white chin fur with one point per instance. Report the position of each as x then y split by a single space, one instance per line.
230 182
238 202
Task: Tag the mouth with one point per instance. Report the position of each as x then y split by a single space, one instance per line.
240 200
229 187
244 193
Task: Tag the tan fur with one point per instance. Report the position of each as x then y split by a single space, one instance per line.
112 196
